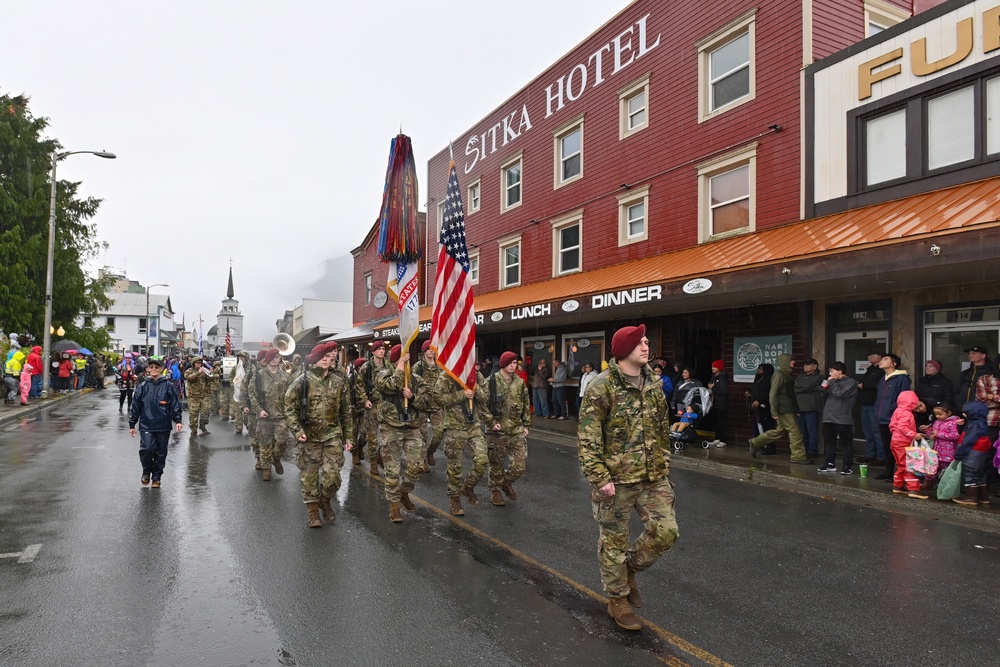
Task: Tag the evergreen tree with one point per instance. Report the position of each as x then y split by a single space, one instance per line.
25 165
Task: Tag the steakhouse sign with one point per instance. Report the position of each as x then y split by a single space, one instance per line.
611 58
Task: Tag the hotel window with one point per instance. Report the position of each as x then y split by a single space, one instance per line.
881 16
633 207
474 267
726 67
510 180
567 244
142 324
510 262
726 194
368 289
88 322
633 108
569 152
109 324
474 196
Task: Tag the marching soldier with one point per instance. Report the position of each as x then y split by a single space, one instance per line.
267 397
509 410
399 431
369 397
199 388
215 378
625 454
428 369
462 409
358 453
248 380
318 412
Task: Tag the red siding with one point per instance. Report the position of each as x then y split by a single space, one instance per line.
365 260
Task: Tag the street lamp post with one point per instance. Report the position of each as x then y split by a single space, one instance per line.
46 334
146 346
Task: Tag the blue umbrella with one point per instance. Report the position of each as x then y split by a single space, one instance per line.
85 351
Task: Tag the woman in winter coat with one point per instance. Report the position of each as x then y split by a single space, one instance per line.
687 383
933 388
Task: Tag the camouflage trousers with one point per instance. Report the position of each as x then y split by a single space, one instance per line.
501 445
455 441
319 468
199 408
360 433
371 433
226 400
236 412
252 431
654 503
434 432
272 440
399 446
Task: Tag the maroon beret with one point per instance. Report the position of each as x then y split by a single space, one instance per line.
426 346
260 355
626 339
359 362
506 358
378 345
395 353
270 356
320 351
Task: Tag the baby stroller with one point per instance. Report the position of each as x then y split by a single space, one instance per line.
701 399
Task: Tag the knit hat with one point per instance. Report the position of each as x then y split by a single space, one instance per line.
626 339
720 364
935 363
270 356
506 358
426 346
395 353
260 355
378 345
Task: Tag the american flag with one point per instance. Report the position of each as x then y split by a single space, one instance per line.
229 341
454 319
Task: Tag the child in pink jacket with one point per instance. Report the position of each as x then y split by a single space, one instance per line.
944 433
25 383
903 427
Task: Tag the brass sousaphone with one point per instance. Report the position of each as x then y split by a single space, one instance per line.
284 344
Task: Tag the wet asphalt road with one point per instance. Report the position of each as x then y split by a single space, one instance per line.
218 568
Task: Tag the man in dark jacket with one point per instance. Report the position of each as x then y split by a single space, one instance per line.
867 392
933 389
894 382
154 406
810 402
979 365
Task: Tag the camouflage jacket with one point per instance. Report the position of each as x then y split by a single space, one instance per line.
456 406
248 374
365 389
622 434
267 392
354 380
390 386
198 384
216 376
508 404
328 412
430 373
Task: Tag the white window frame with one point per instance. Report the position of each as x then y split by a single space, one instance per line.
474 267
624 96
561 133
510 162
745 24
883 15
746 156
504 244
366 288
626 200
574 219
110 323
475 195
140 326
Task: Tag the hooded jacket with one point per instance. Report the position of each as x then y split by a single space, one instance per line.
15 362
889 389
782 396
935 389
840 398
903 424
975 429
761 391
35 359
155 406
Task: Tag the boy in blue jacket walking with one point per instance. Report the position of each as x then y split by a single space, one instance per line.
154 406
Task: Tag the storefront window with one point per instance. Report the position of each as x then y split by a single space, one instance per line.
951 332
583 348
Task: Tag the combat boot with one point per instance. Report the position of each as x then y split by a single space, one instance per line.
456 506
508 488
619 609
313 509
394 514
258 465
424 467
278 468
327 509
265 473
204 431
404 500
470 493
496 498
356 457
430 458
633 597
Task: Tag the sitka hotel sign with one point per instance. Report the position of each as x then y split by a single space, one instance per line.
625 49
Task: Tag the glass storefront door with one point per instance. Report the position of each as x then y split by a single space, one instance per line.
951 332
853 348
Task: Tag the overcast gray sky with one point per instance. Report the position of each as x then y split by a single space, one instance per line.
244 127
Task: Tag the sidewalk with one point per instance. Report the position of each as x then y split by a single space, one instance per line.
734 461
10 414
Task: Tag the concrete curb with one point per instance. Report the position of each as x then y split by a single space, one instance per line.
19 413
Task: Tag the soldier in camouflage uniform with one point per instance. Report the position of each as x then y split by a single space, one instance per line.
369 397
509 410
324 435
625 454
430 372
250 415
199 388
267 398
462 429
215 386
358 453
400 417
